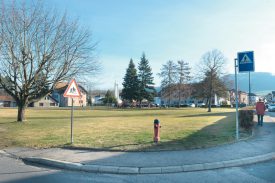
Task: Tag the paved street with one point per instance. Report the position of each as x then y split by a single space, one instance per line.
15 171
271 114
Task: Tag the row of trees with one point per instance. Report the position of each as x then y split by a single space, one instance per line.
176 79
138 85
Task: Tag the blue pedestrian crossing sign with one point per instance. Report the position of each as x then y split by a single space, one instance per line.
246 61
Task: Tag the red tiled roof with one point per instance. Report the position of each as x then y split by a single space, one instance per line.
61 85
6 98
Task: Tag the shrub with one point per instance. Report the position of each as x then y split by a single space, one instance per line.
226 106
246 118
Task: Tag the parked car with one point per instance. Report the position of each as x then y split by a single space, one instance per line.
164 106
191 105
271 108
200 104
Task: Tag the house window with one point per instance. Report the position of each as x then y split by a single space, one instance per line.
41 104
52 104
7 104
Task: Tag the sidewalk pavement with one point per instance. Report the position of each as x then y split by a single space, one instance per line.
260 147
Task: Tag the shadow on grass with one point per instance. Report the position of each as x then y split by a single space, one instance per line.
92 116
128 115
221 132
209 114
10 122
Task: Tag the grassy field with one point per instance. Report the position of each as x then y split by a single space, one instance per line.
114 129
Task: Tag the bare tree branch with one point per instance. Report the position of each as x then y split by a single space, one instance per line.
212 69
38 48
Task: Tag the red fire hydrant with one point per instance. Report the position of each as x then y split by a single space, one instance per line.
156 130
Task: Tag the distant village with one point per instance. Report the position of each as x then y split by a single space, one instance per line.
96 98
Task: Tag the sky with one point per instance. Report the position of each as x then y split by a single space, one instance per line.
173 30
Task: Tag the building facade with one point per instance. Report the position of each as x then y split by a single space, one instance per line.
59 91
47 101
6 100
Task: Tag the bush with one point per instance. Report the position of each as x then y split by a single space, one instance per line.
240 105
226 106
246 119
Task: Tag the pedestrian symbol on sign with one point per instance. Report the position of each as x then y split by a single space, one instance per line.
245 60
72 90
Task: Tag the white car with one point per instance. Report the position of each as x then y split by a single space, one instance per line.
200 104
271 108
191 105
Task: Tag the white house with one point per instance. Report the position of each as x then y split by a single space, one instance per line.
60 89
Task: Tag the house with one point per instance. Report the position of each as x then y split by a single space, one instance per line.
268 98
97 100
273 96
253 98
6 100
172 97
60 89
47 101
187 96
242 97
97 96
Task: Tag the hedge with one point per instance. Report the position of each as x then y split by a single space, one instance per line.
246 118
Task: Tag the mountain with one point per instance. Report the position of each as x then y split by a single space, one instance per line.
261 82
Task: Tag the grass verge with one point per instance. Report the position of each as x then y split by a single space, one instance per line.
127 130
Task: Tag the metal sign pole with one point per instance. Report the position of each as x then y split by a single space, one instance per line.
72 120
71 92
249 85
236 101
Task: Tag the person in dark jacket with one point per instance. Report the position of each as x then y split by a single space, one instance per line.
260 110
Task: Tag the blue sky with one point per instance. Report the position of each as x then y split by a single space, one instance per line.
173 30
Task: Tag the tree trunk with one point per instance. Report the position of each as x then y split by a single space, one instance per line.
179 100
209 104
21 113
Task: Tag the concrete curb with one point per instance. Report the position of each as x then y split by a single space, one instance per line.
148 170
4 153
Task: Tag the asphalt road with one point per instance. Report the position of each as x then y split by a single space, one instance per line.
15 171
271 114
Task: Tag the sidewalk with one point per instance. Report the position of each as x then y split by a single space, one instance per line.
261 147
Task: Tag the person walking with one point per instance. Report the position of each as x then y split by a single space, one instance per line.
260 110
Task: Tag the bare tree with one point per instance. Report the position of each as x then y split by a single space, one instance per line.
168 74
183 77
211 66
39 48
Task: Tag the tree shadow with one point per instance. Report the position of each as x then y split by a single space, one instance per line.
209 136
11 122
208 114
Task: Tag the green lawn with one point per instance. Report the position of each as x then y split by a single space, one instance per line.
114 129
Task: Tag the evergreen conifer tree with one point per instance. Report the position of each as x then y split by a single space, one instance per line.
130 83
145 76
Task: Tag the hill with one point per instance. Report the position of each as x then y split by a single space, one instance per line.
261 82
